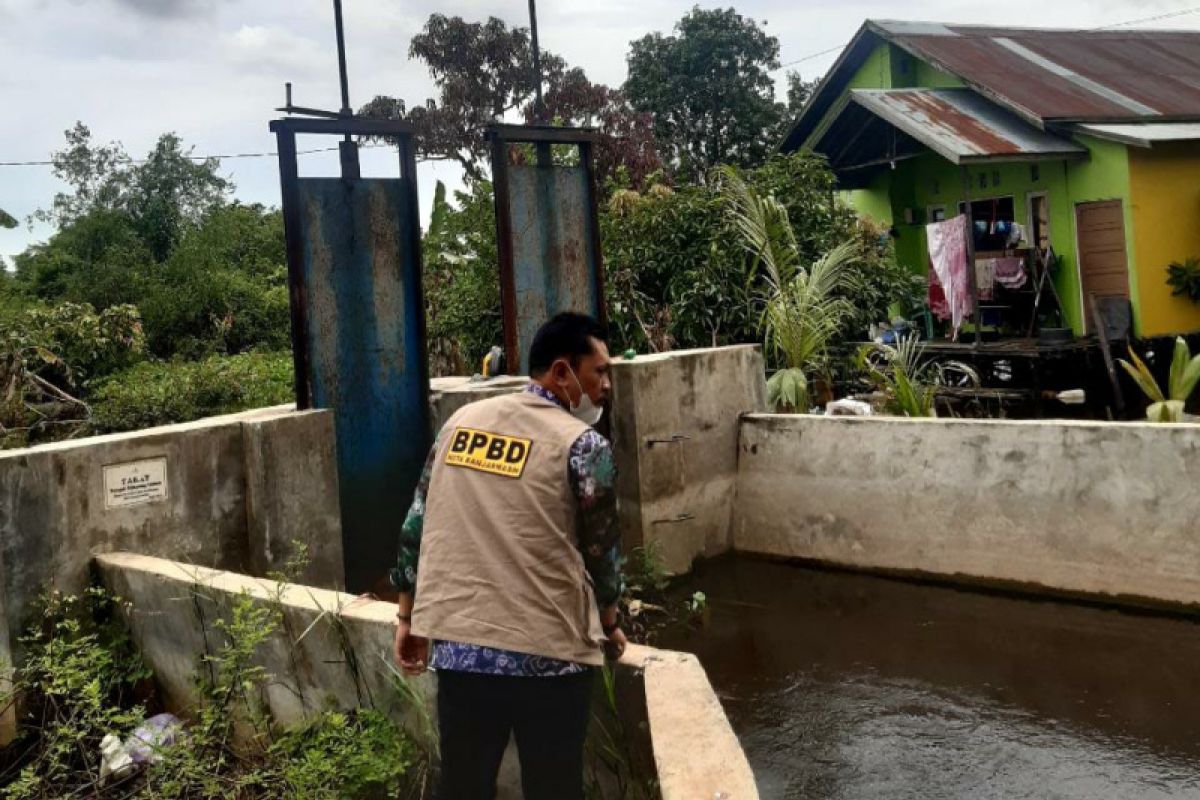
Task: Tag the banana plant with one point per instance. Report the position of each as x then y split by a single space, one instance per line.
1185 374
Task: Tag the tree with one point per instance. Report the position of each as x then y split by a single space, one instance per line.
709 89
798 93
462 279
161 194
627 152
484 73
7 220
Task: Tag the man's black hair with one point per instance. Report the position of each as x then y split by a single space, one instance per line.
567 335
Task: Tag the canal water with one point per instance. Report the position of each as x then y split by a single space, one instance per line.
849 686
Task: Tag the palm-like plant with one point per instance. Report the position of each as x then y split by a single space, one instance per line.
803 308
1185 374
908 379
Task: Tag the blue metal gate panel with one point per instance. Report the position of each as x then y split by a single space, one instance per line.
554 258
364 330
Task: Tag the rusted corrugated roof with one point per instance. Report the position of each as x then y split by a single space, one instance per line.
962 126
1064 75
1046 76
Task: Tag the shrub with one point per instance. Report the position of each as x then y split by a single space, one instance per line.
82 680
1184 279
163 393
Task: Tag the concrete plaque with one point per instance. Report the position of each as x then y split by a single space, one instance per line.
135 482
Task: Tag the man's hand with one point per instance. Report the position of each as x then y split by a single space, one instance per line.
614 645
411 652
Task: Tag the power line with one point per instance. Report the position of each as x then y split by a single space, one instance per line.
192 158
1169 15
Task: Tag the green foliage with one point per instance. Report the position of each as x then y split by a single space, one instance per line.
1185 374
223 289
96 258
158 196
341 755
1184 279
677 275
803 308
48 359
75 685
82 680
908 379
709 89
7 220
462 280
161 393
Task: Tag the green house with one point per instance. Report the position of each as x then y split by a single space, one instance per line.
1089 139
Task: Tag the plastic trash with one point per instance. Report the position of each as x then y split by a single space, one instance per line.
143 746
847 407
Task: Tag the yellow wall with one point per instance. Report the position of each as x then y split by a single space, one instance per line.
1165 200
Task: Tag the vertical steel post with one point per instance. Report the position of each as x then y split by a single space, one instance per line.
504 245
539 107
588 158
289 175
341 49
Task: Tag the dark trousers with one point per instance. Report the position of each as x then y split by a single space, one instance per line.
548 716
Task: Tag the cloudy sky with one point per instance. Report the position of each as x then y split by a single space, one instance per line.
213 70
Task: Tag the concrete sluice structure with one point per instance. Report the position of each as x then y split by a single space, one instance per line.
1103 511
334 650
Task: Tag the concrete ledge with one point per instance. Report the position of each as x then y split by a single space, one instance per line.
696 753
335 650
1104 509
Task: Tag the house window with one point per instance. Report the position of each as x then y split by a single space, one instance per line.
990 217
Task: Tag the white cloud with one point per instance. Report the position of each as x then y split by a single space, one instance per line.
213 70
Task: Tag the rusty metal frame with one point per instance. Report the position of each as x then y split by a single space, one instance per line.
285 131
500 137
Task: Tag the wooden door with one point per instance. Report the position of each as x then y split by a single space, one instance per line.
1103 266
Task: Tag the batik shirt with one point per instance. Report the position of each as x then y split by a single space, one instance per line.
592 475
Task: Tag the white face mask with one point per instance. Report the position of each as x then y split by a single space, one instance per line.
585 410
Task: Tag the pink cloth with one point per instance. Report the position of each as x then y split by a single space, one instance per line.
1010 272
948 255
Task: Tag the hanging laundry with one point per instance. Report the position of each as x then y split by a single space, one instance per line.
1010 272
1016 234
948 256
985 278
937 297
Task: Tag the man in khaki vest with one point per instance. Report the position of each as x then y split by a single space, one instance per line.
514 529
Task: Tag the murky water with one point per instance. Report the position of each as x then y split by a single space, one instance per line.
851 686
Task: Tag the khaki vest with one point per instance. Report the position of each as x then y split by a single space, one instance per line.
500 564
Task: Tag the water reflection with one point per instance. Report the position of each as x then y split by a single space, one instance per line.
848 686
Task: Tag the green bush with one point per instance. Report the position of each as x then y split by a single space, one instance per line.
81 679
162 393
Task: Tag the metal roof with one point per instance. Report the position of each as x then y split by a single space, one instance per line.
1045 76
1145 134
962 126
1065 74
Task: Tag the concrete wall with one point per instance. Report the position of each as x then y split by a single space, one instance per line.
334 650
447 395
1095 508
674 421
239 489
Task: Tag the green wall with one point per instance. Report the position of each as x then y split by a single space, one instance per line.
931 180
1104 176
